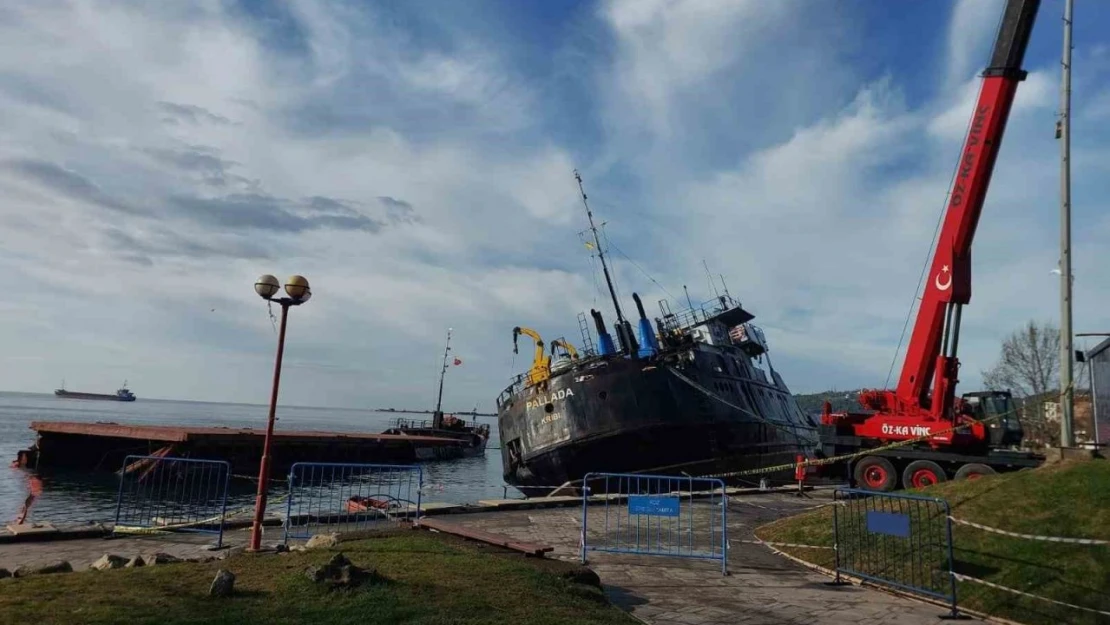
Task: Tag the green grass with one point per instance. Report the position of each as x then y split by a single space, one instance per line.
433 579
1070 499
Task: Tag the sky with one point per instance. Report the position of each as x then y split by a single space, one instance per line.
415 162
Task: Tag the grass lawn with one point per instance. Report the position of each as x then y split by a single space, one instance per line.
433 579
1070 499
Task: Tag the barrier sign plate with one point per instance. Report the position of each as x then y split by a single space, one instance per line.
650 505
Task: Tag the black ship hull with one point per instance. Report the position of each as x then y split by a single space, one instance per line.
624 415
96 396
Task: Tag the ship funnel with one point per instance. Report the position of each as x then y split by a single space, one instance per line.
627 338
604 340
649 344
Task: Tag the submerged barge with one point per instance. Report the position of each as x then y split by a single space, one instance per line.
101 446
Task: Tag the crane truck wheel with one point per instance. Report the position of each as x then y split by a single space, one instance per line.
875 473
922 473
973 471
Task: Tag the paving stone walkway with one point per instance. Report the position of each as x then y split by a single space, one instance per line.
763 588
82 552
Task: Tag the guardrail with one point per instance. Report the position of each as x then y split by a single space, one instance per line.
903 541
655 515
349 497
162 493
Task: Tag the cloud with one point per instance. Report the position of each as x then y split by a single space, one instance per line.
418 170
265 212
65 182
177 113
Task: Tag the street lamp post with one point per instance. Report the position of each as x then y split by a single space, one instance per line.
298 293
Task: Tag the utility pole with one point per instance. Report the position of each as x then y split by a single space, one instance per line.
1067 355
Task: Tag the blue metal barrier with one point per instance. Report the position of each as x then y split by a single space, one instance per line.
160 493
349 497
659 515
900 540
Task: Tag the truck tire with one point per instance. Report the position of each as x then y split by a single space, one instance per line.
875 473
922 473
973 471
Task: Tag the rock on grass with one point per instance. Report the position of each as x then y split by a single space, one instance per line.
53 567
108 561
223 585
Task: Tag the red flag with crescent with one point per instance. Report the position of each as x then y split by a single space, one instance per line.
457 361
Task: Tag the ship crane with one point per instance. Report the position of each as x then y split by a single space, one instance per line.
565 344
924 405
541 363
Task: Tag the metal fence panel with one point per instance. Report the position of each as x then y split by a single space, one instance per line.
904 541
658 515
167 493
337 497
1100 392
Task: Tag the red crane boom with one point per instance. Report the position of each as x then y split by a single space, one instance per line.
911 409
921 412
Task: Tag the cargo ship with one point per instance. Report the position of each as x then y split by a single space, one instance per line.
122 394
692 394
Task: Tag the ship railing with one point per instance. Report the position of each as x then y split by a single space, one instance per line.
689 317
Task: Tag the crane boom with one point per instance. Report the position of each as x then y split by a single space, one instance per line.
541 364
931 354
905 435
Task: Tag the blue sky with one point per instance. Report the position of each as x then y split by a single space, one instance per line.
414 161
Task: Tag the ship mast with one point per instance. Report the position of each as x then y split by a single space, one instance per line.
600 253
437 416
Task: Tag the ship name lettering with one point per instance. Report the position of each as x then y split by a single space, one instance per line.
551 417
542 400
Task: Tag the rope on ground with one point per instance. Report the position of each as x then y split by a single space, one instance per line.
1051 539
773 544
966 578
131 529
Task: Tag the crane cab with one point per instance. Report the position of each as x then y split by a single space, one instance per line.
997 409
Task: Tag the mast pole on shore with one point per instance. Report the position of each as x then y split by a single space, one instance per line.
1067 354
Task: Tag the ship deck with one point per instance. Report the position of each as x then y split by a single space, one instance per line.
104 445
176 434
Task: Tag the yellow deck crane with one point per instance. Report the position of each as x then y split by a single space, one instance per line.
541 363
565 344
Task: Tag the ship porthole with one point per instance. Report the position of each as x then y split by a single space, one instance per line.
549 407
602 395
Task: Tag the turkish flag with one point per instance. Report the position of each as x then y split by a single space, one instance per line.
457 361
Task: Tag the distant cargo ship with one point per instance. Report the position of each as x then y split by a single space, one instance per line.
123 394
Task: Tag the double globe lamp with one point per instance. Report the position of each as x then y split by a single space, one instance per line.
297 292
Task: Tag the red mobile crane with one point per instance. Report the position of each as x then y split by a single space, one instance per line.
911 411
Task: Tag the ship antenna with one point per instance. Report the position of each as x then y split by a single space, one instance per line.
708 275
600 253
437 416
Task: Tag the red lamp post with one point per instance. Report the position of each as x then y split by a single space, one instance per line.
298 293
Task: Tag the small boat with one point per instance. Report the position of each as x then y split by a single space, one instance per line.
444 425
122 394
357 503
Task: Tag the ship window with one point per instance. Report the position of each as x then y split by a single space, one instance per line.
549 407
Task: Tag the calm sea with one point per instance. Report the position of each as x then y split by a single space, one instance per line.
79 497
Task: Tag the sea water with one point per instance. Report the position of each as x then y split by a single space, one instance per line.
92 497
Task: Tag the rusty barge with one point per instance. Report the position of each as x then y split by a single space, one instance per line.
103 446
